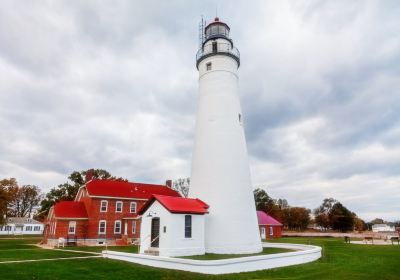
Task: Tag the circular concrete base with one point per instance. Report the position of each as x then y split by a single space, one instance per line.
303 254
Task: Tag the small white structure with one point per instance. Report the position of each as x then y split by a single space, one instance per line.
382 228
172 226
21 225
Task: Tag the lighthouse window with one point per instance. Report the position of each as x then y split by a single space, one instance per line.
188 226
240 118
208 66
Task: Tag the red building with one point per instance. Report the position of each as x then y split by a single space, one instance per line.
269 227
103 210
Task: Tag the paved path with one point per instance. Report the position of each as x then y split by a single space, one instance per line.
55 259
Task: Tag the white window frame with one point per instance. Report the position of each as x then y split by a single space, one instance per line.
130 207
105 227
28 228
271 230
72 224
101 206
133 226
36 228
120 226
116 206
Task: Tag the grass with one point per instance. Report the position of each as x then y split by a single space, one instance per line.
25 249
98 249
339 261
266 251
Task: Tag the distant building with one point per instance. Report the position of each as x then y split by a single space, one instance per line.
21 225
382 228
269 227
103 211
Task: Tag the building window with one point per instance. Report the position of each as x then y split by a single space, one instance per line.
28 228
240 119
188 226
102 227
208 66
36 228
133 207
271 231
117 227
118 206
133 227
71 227
8 228
103 206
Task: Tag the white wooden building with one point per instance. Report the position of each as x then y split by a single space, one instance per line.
173 226
21 225
382 228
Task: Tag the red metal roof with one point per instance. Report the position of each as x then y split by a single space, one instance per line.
265 219
178 204
70 209
122 189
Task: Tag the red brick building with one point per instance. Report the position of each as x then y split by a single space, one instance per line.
269 227
103 210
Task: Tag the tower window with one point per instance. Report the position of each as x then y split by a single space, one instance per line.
208 66
240 119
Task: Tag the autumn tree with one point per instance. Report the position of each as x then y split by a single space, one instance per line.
6 185
321 213
69 189
296 218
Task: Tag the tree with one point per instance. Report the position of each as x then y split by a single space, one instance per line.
23 200
68 190
322 213
377 221
359 224
263 201
341 218
296 218
182 186
5 186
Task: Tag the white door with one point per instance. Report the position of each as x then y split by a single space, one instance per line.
262 232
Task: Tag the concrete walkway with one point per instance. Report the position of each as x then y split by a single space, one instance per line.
55 259
376 242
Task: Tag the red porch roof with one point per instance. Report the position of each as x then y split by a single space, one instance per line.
70 209
122 189
265 219
178 204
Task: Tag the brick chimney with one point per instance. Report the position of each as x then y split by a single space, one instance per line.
168 183
89 175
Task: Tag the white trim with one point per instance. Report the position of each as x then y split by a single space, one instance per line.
101 206
116 206
72 224
303 254
105 227
271 230
117 197
130 207
133 227
120 226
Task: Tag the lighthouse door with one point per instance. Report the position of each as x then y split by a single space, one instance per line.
155 232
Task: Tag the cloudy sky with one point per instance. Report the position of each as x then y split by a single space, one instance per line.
113 85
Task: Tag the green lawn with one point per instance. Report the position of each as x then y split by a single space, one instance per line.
340 261
98 249
266 251
25 249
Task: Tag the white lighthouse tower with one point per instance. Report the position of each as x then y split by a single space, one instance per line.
220 169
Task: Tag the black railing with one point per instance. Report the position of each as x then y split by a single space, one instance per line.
217 48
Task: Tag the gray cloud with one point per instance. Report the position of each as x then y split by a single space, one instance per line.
113 85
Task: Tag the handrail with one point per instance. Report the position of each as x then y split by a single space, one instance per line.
151 241
221 48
